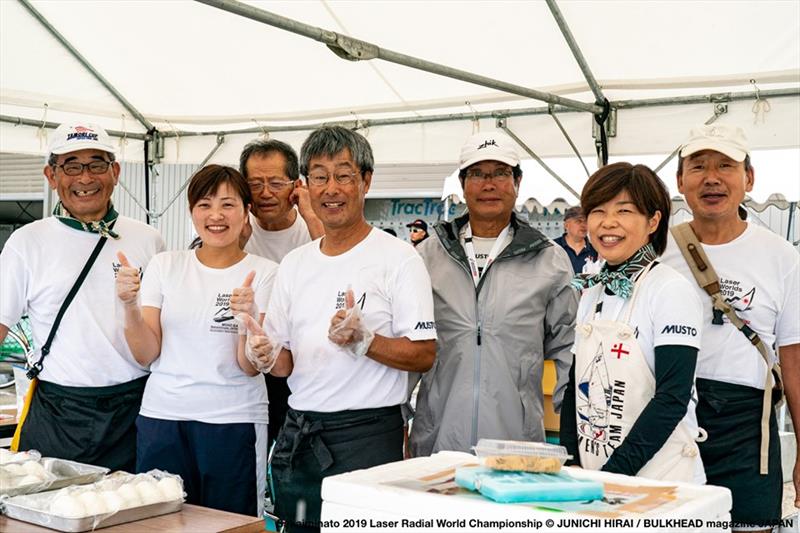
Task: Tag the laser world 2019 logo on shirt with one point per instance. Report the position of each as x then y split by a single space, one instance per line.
82 134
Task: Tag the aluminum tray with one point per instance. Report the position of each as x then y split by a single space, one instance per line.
66 473
29 508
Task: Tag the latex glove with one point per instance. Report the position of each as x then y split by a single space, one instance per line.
347 328
128 281
243 301
259 348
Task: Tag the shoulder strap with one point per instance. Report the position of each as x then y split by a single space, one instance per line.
36 368
707 278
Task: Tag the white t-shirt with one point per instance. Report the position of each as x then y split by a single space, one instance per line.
667 311
38 266
760 278
483 247
274 245
197 376
392 286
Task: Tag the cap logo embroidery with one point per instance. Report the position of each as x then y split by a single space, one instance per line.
82 135
487 144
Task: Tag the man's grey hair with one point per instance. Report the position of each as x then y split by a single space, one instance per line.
263 148
53 158
330 140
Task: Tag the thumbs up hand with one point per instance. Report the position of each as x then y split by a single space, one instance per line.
243 300
347 328
128 281
259 349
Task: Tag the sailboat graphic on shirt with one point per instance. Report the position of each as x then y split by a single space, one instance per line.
594 399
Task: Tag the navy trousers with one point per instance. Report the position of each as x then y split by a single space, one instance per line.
216 461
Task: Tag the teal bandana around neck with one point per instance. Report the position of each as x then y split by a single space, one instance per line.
620 280
103 227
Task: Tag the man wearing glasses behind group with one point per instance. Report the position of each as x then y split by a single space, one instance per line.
503 304
90 387
272 171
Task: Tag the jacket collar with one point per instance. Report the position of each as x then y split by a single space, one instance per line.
525 238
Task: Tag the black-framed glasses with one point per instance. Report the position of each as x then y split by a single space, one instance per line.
74 168
320 179
257 186
498 174
417 230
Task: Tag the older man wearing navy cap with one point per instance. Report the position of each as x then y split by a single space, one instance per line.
502 304
85 401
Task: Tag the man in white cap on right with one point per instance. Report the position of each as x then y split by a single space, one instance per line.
502 304
89 388
759 280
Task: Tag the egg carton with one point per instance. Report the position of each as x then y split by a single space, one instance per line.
57 474
38 508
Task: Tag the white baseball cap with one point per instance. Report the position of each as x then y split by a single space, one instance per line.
80 136
728 140
489 146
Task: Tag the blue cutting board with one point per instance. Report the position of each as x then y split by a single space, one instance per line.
513 487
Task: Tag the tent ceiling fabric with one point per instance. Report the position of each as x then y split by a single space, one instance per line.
189 66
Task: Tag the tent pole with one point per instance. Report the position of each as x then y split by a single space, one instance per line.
220 140
531 153
83 61
19 121
719 109
356 50
576 51
572 144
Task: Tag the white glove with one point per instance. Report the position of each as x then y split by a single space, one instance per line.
243 301
259 349
348 330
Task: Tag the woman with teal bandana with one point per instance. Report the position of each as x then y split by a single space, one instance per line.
628 406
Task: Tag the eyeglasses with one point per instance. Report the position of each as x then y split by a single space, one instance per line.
342 178
417 230
73 168
257 186
499 175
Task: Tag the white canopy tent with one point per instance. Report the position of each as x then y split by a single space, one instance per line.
181 68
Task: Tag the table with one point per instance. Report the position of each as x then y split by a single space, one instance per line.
421 491
191 518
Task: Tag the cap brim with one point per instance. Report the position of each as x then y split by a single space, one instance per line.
477 159
734 153
89 145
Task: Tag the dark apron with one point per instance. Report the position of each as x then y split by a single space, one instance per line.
731 415
314 445
94 425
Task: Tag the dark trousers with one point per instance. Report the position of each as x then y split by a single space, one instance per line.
278 394
314 445
94 425
217 462
731 414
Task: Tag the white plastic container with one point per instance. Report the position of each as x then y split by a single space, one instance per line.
520 456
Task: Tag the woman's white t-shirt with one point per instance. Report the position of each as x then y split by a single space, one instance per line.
197 376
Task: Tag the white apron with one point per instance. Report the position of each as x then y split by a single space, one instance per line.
613 384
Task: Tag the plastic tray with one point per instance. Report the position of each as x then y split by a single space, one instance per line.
516 487
510 455
62 473
8 457
34 508
29 509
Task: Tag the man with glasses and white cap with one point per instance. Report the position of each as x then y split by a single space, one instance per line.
502 303
85 401
753 307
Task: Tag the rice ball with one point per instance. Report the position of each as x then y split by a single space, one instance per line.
129 495
149 492
15 470
171 488
112 500
93 503
67 506
34 469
